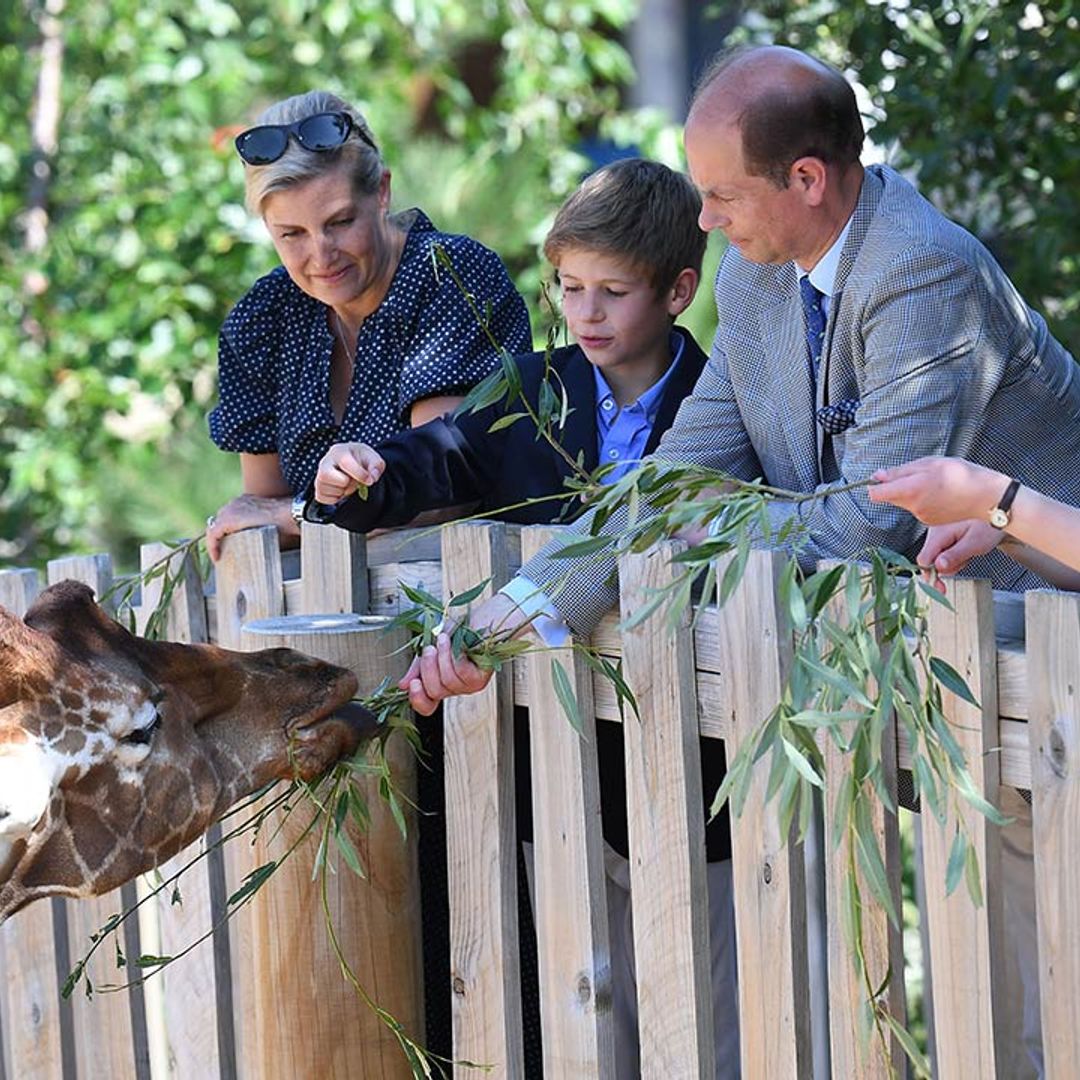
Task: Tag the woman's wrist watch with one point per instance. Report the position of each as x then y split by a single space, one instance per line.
299 504
1000 515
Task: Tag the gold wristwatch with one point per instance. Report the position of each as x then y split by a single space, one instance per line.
999 516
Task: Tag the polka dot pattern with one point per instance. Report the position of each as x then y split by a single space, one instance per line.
423 340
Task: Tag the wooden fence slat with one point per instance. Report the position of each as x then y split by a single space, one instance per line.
30 1005
963 938
249 586
249 582
332 1035
1053 637
769 878
480 836
574 959
666 830
334 572
882 943
105 1038
181 1003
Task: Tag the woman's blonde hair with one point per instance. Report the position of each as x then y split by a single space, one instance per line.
358 153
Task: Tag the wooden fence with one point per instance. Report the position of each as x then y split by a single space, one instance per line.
213 1013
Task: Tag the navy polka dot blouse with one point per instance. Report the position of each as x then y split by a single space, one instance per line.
422 340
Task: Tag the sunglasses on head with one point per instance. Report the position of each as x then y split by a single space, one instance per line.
323 131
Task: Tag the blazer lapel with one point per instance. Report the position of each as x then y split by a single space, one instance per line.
579 432
861 219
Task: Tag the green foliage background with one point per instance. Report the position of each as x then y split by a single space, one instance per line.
108 336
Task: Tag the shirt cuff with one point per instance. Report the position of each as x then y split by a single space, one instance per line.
537 606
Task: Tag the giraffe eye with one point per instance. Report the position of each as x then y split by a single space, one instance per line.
143 736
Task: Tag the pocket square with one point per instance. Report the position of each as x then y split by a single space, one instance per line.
837 418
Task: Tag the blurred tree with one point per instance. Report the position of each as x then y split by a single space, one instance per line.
108 340
979 101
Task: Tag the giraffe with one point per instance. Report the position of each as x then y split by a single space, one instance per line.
116 752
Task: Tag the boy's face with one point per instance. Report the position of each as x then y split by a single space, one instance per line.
614 313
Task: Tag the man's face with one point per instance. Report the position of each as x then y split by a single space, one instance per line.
765 223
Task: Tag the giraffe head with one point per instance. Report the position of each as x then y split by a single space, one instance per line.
116 751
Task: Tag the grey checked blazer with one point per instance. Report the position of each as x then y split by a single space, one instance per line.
925 331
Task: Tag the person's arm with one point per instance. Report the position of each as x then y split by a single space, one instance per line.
954 497
930 364
448 462
266 501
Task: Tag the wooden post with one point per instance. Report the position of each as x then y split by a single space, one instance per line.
666 830
249 586
964 937
334 571
768 874
571 902
1053 640
330 1032
108 1027
30 1005
182 1000
480 836
882 943
249 582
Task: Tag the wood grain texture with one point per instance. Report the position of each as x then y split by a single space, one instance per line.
965 939
666 830
1053 637
769 880
571 900
480 835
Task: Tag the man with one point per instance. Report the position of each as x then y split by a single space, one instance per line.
858 329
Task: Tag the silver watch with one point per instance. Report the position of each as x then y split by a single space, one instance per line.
299 504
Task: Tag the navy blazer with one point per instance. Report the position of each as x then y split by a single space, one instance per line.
456 460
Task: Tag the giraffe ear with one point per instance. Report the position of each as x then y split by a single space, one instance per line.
67 613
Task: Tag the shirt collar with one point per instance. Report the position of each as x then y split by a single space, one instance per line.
823 276
649 402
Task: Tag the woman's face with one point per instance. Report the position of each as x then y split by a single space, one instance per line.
336 246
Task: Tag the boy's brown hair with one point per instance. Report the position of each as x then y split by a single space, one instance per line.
636 210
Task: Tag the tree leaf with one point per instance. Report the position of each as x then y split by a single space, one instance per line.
564 691
951 679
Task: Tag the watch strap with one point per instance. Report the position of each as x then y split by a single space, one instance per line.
1000 515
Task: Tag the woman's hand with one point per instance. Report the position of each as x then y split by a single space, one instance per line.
249 512
940 490
948 548
344 467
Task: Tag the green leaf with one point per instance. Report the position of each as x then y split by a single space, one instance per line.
565 693
589 546
148 960
254 881
805 769
507 420
954 869
469 595
951 679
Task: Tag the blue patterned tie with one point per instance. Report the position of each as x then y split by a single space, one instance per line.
815 322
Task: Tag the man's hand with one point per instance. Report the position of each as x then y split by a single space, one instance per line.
344 467
698 532
437 674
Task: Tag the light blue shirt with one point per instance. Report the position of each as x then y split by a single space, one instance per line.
823 276
621 434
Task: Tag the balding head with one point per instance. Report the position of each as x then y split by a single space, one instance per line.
786 105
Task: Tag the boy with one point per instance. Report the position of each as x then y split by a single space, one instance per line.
627 250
